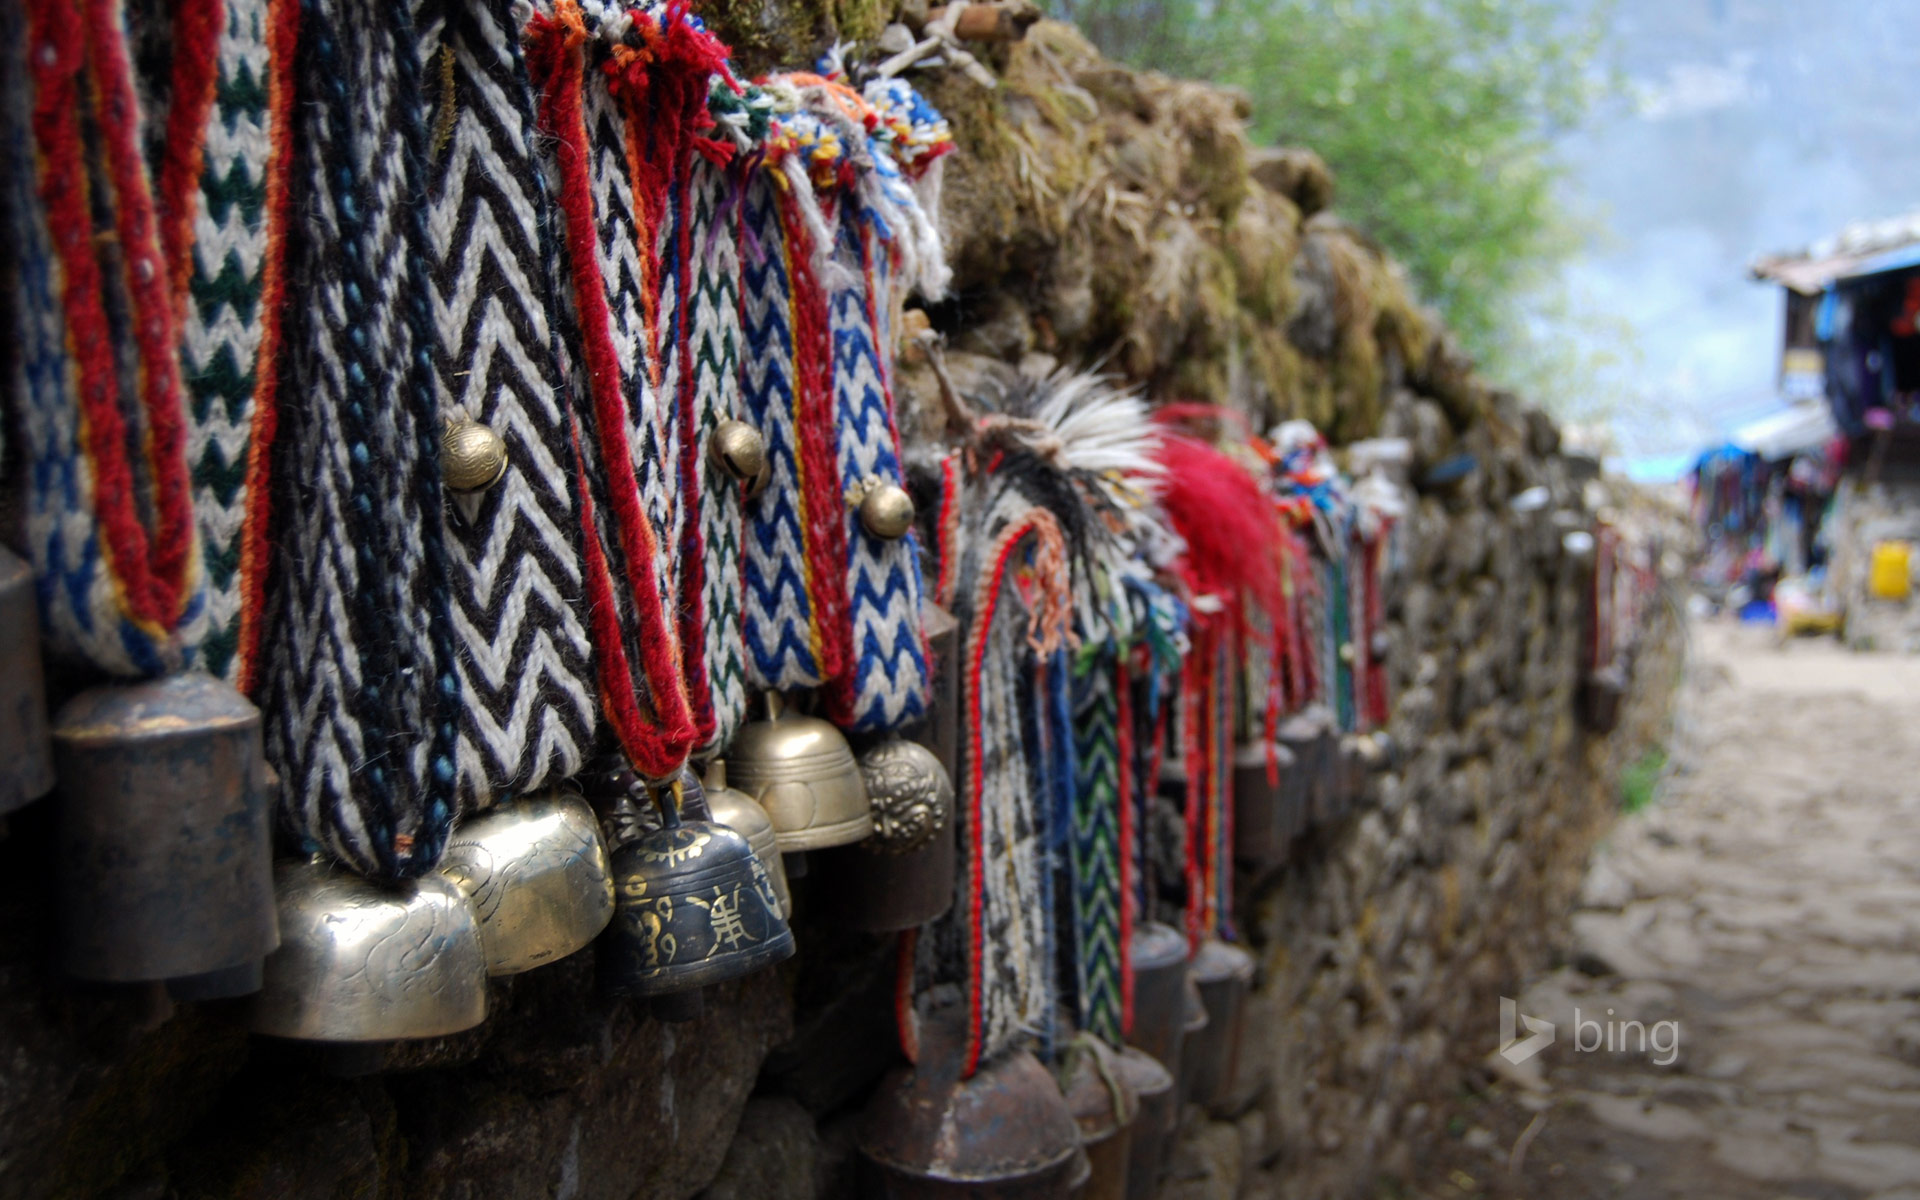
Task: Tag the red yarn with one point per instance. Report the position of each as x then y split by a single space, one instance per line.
283 35
1228 522
196 56
656 748
64 43
693 622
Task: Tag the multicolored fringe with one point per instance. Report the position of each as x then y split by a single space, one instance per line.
111 530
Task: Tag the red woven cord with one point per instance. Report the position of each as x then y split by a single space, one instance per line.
1129 903
657 748
66 41
692 564
283 35
948 532
196 57
823 522
603 615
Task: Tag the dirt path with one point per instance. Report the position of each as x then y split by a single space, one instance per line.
1761 922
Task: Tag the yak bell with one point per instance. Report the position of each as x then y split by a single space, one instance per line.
165 866
26 749
1159 956
902 876
538 877
692 906
369 962
1224 976
1107 1110
1153 1128
801 770
738 812
1005 1132
1262 826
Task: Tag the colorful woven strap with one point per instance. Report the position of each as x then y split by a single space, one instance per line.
1098 849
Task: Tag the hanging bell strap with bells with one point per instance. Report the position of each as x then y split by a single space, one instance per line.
692 906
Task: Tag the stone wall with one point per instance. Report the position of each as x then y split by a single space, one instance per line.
1096 215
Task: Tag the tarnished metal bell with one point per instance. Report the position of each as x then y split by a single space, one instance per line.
165 868
1152 1134
537 875
1262 826
1351 768
738 812
1601 694
1106 1108
26 749
1308 735
886 511
1224 975
1159 957
472 456
368 962
693 906
1005 1133
801 770
902 876
738 449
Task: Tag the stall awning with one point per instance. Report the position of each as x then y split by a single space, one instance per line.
1867 248
1787 432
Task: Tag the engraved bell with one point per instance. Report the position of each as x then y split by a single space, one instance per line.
370 962
1106 1108
537 875
1005 1132
165 863
26 749
902 876
692 906
1223 974
801 770
738 812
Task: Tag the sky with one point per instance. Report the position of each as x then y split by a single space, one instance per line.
1747 127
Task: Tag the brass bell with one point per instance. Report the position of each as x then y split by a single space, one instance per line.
886 511
1262 830
692 906
1223 974
738 812
1106 1108
165 864
26 749
801 770
1152 1134
472 456
738 449
1006 1132
369 962
902 876
537 875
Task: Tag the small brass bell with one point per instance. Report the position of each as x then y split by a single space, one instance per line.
368 962
26 748
472 456
165 864
1106 1108
693 906
1223 974
1006 1132
902 876
738 812
886 511
801 770
738 449
537 875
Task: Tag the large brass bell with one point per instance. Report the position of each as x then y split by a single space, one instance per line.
26 749
1262 826
738 812
1005 1133
692 906
538 877
902 876
1104 1105
165 867
801 770
369 962
1224 975
1159 1116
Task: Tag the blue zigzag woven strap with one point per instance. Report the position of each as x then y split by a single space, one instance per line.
888 684
783 647
1095 848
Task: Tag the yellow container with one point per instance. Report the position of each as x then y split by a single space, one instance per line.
1889 574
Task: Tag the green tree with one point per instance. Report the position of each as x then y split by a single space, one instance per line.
1438 118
